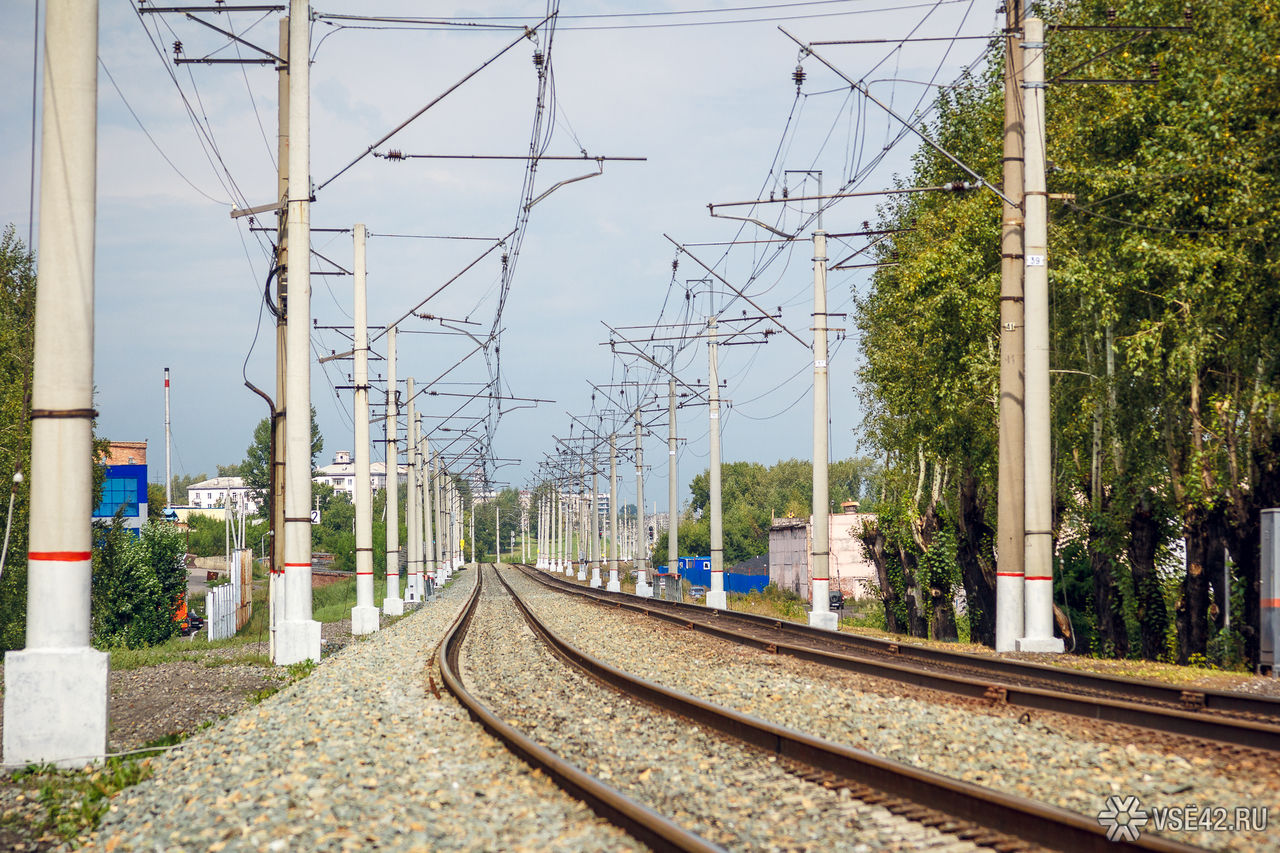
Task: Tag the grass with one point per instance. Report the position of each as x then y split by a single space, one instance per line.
333 602
72 802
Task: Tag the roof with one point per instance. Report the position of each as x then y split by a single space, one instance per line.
789 523
758 562
219 483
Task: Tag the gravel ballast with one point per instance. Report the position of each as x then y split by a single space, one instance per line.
362 754
730 794
1042 757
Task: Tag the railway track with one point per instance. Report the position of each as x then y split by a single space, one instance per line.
1235 720
969 811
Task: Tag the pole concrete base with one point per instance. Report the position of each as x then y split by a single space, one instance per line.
613 585
1041 645
364 620
393 606
596 583
718 599
55 707
297 641
582 573
824 619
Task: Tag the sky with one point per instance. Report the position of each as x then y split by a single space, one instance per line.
708 99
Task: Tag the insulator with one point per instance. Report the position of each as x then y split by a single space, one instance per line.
784 192
1187 15
538 59
1111 15
1155 68
177 48
504 259
798 76
675 264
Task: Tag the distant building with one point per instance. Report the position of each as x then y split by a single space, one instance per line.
341 474
221 492
790 546
126 484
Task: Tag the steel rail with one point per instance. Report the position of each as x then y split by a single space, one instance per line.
993 680
640 821
1029 821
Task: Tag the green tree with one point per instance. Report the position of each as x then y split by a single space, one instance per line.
256 467
137 581
17 341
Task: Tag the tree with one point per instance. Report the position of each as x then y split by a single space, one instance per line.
17 341
256 467
137 583
155 501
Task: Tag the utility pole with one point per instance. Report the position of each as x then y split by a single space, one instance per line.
275 583
643 588
432 530
673 506
55 698
298 636
820 615
392 604
473 530
497 531
424 506
594 509
583 545
1038 594
168 473
413 523
1010 506
716 596
614 584
364 616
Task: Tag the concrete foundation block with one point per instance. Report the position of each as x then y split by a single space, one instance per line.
717 599
1041 645
297 641
393 606
55 707
825 619
364 620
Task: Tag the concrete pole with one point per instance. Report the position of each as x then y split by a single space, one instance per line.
615 584
298 636
582 553
275 588
55 698
643 588
425 560
432 530
412 521
1010 507
820 615
596 581
497 531
392 604
1038 584
473 530
364 616
673 498
442 514
716 596
168 472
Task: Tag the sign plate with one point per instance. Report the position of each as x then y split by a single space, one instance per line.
1035 260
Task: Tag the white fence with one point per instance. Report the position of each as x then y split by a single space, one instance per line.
226 608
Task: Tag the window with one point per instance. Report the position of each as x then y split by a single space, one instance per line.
117 492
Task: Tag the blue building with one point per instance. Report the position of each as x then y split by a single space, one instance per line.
126 484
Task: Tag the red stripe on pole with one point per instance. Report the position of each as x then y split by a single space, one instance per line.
1034 578
287 565
60 556
361 574
1009 574
1271 602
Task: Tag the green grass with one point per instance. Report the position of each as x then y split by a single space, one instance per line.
333 602
74 801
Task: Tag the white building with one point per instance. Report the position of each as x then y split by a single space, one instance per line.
791 544
221 492
341 474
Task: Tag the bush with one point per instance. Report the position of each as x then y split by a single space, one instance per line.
136 584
